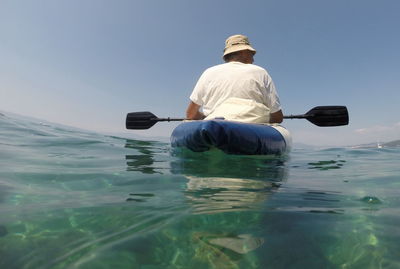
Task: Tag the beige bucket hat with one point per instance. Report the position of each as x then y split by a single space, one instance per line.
236 43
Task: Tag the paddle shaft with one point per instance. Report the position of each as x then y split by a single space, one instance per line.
168 119
323 116
303 116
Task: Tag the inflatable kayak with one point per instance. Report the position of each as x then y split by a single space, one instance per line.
232 137
236 137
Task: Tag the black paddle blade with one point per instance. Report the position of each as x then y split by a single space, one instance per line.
140 120
325 116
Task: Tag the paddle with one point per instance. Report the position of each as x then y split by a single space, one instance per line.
325 116
144 120
321 116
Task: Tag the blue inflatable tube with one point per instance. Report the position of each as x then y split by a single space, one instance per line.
231 137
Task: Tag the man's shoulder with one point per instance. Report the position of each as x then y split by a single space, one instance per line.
218 67
235 67
255 67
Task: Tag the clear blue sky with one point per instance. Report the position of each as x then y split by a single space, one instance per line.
88 63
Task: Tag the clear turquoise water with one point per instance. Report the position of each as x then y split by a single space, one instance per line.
74 199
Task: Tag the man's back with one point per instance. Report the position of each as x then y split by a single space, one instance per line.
233 79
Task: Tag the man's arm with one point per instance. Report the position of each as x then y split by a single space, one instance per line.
193 112
276 117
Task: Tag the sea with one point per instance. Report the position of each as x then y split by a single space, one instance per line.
76 199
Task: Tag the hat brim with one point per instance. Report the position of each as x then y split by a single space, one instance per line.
238 48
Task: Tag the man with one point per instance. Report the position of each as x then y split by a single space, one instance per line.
236 90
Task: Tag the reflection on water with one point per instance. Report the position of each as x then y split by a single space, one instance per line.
215 163
139 197
211 187
144 160
226 195
217 194
327 165
141 163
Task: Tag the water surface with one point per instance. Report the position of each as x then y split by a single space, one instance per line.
75 199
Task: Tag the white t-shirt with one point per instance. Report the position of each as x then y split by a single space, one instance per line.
235 81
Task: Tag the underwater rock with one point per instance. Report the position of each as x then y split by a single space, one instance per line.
243 244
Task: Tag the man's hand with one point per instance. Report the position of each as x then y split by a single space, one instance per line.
276 117
193 112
